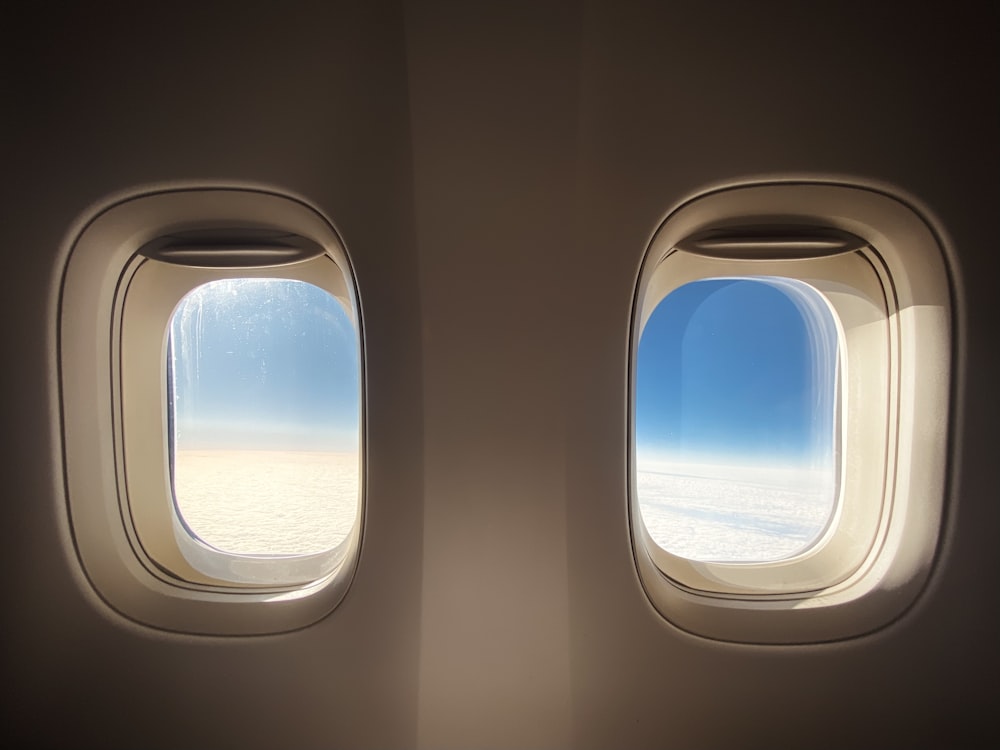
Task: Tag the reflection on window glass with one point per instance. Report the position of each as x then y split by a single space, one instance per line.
264 404
735 419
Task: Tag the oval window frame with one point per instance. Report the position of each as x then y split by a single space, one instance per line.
815 596
106 247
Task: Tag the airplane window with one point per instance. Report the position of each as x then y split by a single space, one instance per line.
214 410
263 390
788 367
735 415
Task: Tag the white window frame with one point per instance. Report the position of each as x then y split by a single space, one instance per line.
891 298
117 295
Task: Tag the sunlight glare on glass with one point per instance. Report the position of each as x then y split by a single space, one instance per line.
264 381
735 419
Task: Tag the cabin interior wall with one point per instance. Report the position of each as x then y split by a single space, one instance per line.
310 100
672 100
496 175
494 106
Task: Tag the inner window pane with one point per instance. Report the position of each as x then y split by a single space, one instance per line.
735 419
264 381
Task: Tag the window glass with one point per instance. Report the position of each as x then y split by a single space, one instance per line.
736 419
264 381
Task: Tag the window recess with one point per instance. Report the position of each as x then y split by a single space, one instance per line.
788 342
219 489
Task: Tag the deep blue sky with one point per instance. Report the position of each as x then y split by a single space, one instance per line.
737 370
264 363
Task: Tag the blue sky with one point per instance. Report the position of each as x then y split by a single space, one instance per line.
738 371
265 364
728 370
